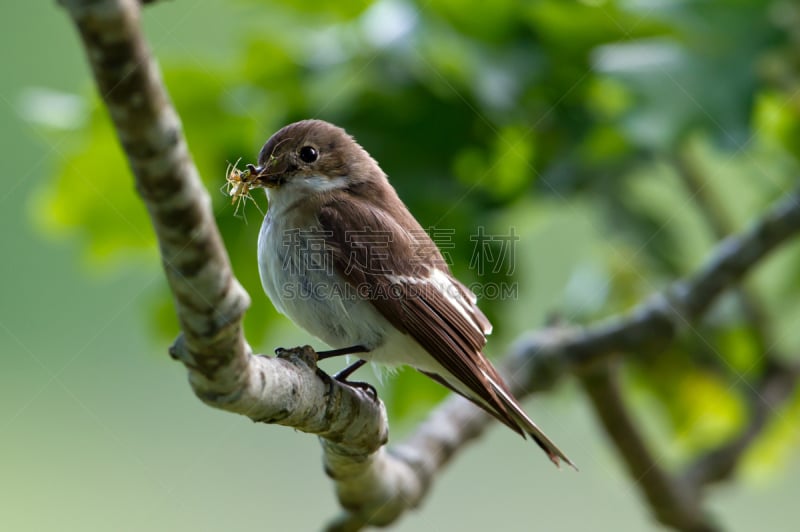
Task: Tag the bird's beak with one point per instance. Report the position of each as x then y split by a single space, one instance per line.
266 176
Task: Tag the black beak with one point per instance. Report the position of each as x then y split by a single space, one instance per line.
262 176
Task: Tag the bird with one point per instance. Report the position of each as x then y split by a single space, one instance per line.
340 254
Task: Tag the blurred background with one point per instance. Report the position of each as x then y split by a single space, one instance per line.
613 141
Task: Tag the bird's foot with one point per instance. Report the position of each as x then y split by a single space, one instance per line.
349 370
305 351
367 387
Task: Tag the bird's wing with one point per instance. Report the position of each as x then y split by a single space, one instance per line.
411 286
409 283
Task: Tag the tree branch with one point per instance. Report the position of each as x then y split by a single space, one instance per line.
689 172
540 359
209 301
672 503
771 392
675 499
777 381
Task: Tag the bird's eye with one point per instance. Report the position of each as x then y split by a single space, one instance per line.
308 154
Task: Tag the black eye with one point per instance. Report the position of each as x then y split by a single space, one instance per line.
308 154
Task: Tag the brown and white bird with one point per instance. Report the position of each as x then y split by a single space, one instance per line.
341 256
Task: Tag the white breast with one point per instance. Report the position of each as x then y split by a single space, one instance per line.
302 285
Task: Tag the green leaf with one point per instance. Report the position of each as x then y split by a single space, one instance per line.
777 443
777 121
506 170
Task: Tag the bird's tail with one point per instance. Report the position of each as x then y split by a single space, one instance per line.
527 426
501 404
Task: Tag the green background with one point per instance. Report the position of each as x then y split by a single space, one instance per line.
99 428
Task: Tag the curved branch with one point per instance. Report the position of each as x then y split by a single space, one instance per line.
209 301
774 388
687 167
650 327
673 503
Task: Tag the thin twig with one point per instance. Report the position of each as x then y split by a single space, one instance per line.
776 386
717 219
672 503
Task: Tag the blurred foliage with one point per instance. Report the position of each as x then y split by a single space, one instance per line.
560 119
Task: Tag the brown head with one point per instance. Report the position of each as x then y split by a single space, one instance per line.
313 156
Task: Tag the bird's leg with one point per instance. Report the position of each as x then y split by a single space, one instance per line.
322 355
353 349
349 370
342 375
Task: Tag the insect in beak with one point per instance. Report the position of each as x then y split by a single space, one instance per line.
240 182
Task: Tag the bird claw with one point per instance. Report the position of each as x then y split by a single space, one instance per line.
324 377
328 380
367 387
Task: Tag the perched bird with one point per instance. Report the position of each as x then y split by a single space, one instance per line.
341 256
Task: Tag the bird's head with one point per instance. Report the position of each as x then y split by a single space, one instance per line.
311 157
